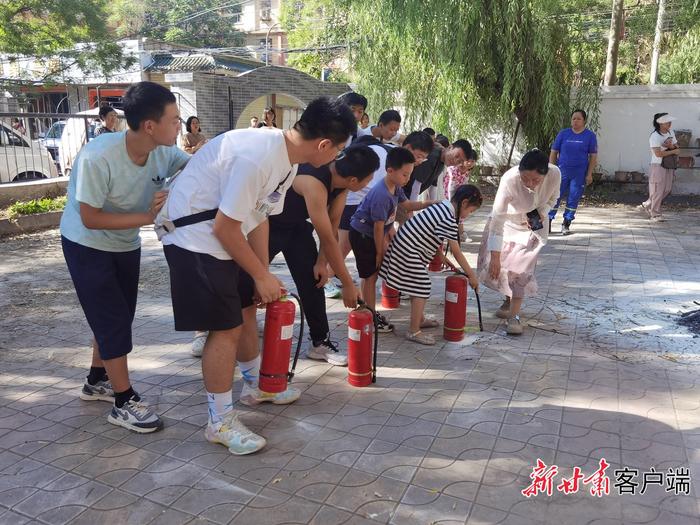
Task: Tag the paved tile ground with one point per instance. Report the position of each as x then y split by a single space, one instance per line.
447 435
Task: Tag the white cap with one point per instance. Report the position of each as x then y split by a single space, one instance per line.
665 119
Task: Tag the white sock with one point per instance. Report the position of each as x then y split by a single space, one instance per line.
219 405
250 370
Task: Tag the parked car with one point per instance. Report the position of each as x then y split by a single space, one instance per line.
74 136
22 158
51 140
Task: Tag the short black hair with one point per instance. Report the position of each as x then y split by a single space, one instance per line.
535 160
464 145
105 109
442 140
583 114
429 131
326 118
398 157
473 155
467 192
420 141
188 124
390 115
357 161
354 99
145 101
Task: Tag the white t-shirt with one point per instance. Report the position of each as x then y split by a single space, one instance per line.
355 197
656 140
244 173
368 131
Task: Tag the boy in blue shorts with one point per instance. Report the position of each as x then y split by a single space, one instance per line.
372 225
114 189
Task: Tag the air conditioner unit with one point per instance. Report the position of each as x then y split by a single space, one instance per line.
266 14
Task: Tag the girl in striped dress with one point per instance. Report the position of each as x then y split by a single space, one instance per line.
405 264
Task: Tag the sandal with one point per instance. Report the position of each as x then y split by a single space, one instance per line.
420 337
429 323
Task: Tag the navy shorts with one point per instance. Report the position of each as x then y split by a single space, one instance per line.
348 212
107 285
365 253
204 291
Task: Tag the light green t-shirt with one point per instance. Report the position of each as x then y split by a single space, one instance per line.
104 176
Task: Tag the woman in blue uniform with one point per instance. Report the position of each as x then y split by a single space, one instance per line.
575 151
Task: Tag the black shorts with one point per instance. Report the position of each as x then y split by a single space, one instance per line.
348 212
107 285
365 253
204 291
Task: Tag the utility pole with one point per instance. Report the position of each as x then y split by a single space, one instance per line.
657 42
614 43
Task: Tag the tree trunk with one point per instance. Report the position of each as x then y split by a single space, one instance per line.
657 42
613 43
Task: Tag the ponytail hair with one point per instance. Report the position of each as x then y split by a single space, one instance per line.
469 193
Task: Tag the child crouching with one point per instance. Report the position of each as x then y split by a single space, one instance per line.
404 266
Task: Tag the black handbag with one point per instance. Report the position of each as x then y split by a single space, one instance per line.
670 162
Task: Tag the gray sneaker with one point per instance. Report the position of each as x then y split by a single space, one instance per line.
136 416
100 391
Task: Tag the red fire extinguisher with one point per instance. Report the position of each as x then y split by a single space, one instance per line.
390 296
455 307
277 344
362 367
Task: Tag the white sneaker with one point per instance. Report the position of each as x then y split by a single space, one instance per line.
255 396
233 434
331 291
328 351
200 339
135 415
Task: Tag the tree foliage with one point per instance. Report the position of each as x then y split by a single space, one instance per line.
55 28
196 23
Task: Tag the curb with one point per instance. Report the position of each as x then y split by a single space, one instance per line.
30 223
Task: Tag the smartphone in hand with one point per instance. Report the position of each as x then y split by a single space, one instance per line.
534 220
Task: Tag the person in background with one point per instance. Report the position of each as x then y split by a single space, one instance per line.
431 132
364 121
253 122
18 126
458 175
386 129
575 151
108 120
442 140
662 142
358 105
516 231
194 138
269 119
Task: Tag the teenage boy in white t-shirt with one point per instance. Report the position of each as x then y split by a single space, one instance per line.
219 266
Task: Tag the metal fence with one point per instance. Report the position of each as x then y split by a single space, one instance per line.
42 145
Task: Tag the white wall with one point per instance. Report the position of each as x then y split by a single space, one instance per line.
626 113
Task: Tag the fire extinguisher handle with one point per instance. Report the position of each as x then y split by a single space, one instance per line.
290 374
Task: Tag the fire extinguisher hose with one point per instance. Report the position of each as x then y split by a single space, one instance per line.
290 374
478 301
361 303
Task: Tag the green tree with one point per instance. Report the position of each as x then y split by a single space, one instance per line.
196 23
321 27
54 28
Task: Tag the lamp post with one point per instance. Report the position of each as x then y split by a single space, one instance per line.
267 43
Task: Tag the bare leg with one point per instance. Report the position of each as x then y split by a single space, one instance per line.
344 241
96 359
219 359
515 305
248 344
369 291
417 309
118 372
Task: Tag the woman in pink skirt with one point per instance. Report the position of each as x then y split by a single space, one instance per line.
663 143
516 231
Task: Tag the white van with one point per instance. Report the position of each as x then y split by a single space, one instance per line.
22 158
74 136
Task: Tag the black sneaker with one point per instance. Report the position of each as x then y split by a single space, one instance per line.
565 228
383 326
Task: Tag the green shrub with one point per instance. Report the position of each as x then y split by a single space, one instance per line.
36 206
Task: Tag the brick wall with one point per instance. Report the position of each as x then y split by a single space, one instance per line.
212 93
